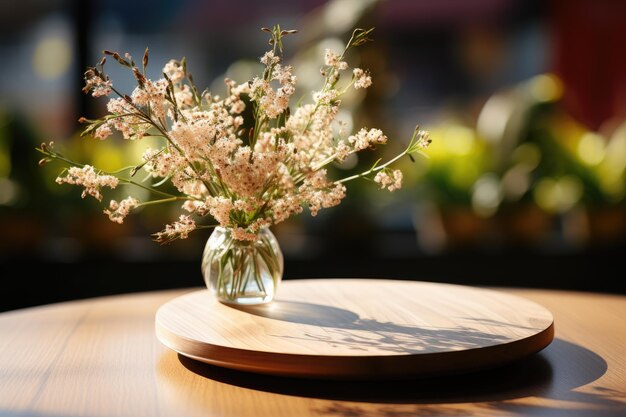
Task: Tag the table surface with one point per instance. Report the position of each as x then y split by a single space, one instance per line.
100 357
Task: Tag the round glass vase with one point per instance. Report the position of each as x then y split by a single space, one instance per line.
242 272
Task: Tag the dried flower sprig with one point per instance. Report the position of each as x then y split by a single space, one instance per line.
245 174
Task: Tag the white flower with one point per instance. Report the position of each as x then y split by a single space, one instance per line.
274 102
194 206
248 172
88 178
238 106
324 198
331 59
102 132
174 71
178 230
243 88
184 96
342 151
118 211
98 86
423 139
239 233
269 58
367 138
285 207
220 208
162 164
392 180
362 79
131 126
325 97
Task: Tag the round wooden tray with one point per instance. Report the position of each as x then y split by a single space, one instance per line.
358 329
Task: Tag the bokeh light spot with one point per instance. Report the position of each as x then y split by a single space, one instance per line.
52 57
591 148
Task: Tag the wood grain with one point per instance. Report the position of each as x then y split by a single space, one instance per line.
100 357
351 329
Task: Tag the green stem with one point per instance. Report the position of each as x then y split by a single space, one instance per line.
164 200
371 170
60 157
154 190
206 226
257 275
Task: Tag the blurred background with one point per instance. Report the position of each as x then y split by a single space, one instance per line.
525 100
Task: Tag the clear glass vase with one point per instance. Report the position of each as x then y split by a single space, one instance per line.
242 272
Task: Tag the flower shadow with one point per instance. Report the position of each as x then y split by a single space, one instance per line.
343 328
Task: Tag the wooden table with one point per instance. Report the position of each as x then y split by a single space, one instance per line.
100 357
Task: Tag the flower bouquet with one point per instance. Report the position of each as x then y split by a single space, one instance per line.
242 174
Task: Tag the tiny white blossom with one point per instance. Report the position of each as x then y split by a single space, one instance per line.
362 79
269 58
174 71
88 178
367 138
96 84
117 212
325 97
180 229
103 131
331 59
240 233
184 96
390 180
423 139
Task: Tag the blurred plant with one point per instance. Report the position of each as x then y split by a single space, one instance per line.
457 161
548 158
524 163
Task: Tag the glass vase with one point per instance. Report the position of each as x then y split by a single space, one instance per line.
242 272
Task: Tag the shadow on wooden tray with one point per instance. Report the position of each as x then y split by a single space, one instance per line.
338 326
